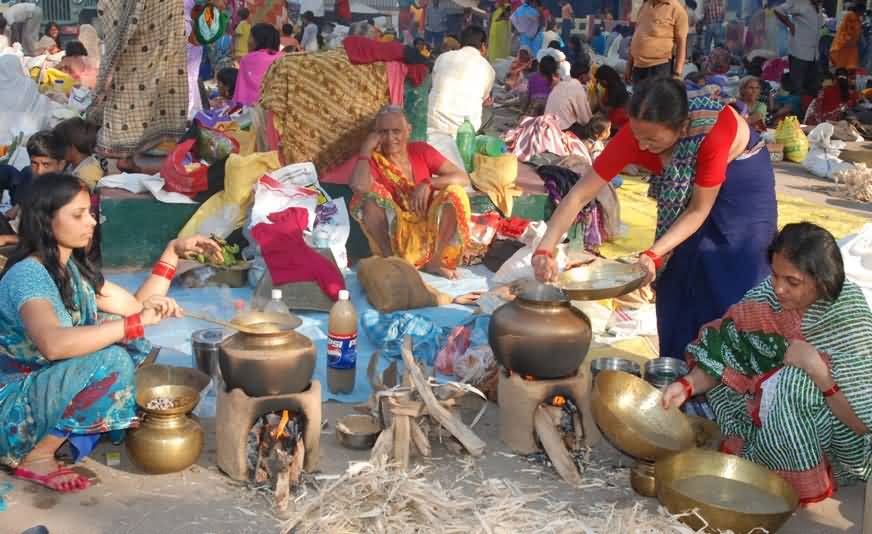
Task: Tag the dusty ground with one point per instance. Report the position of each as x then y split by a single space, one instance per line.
201 500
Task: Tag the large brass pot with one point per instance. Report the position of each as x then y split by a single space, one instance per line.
629 412
269 363
730 493
166 440
540 333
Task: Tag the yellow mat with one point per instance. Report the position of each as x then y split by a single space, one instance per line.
638 214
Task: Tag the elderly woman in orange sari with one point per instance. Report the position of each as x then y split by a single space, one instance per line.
845 50
409 199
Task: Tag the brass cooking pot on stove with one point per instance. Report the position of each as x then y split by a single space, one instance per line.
540 333
275 361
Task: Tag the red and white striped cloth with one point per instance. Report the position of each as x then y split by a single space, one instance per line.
537 135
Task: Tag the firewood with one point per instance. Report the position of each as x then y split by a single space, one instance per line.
419 438
552 441
457 428
383 447
297 460
402 429
281 473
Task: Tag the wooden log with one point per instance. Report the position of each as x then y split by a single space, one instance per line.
383 448
281 473
867 509
402 436
552 441
405 407
463 433
297 461
264 443
422 443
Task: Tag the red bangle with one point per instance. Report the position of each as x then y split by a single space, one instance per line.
658 261
164 269
543 252
832 391
687 387
133 328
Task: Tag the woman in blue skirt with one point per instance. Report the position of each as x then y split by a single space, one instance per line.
716 211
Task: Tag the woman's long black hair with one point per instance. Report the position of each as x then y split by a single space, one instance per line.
616 92
815 252
265 37
50 193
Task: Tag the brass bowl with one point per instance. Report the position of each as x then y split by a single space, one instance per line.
706 431
727 491
277 322
642 479
629 412
156 376
602 280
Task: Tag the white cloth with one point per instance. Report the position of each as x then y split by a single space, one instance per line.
548 36
563 67
21 12
808 22
24 109
462 80
30 15
310 38
4 42
857 255
140 183
315 6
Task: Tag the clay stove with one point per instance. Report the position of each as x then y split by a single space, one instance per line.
237 413
520 396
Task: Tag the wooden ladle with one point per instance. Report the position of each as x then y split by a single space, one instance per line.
227 324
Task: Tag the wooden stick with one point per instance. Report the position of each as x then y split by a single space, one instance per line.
467 437
282 465
420 440
401 440
297 461
867 509
383 448
552 442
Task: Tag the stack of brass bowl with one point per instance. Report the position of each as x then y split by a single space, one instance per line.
167 440
630 413
728 492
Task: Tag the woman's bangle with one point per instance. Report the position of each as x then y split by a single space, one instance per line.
687 387
543 252
658 261
164 269
832 391
133 328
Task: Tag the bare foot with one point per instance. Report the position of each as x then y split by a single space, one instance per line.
47 472
434 267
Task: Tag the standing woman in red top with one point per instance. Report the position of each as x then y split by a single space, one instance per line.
716 211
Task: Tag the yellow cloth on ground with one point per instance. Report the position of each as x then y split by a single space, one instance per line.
639 215
241 173
495 176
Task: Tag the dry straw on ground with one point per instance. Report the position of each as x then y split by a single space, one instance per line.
376 498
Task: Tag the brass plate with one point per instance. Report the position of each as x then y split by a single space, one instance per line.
603 279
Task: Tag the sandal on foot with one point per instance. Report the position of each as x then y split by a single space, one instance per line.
76 484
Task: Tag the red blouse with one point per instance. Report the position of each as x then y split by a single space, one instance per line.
425 161
711 162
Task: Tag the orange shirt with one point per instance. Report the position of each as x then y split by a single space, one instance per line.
660 25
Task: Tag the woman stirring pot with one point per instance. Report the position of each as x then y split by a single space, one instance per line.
716 210
66 366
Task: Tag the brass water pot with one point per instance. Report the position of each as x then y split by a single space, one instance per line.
167 440
540 334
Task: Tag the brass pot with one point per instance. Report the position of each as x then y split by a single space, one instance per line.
730 493
540 334
167 440
642 479
271 363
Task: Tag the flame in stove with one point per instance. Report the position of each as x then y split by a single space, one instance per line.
280 430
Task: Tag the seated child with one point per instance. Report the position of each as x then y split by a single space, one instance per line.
80 138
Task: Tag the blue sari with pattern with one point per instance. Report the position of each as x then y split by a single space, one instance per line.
76 397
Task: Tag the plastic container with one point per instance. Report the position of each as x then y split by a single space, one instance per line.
465 140
342 345
490 145
276 304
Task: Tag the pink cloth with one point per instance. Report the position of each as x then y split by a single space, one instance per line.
252 69
396 81
537 135
289 258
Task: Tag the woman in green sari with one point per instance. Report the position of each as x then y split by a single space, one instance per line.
788 370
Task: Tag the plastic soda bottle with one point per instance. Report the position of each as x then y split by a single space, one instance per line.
341 345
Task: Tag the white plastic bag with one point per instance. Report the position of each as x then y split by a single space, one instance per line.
335 232
519 266
823 156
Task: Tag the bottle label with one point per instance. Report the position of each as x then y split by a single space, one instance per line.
341 351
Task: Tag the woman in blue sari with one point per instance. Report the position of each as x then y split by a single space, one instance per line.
716 210
66 364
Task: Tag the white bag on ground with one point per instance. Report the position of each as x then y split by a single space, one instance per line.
823 155
857 255
519 266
